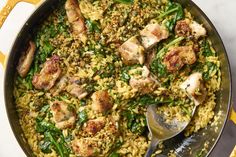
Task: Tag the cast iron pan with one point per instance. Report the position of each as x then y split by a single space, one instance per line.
184 147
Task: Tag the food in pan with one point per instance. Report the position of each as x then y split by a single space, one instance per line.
92 66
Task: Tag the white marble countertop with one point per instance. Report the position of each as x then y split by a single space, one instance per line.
222 13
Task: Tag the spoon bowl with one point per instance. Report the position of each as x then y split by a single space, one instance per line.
162 130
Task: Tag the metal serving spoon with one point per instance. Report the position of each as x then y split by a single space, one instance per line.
160 130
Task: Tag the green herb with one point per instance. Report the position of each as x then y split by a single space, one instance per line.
125 74
150 100
124 1
207 49
210 68
92 26
107 71
158 68
136 123
83 117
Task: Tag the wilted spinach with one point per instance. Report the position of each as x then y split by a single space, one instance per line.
173 8
210 68
170 24
53 138
207 49
158 68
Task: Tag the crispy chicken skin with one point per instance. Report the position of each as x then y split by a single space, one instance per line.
95 125
152 34
132 52
194 88
178 56
63 116
101 101
26 60
75 18
48 75
182 28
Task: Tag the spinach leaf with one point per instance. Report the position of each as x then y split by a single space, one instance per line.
83 117
43 126
53 138
171 8
136 123
170 24
207 49
124 1
92 26
60 146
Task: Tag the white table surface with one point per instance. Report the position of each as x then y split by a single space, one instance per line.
221 12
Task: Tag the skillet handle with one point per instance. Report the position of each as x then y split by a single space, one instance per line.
233 115
2 59
5 11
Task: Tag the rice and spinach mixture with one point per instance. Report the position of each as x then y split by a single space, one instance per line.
92 67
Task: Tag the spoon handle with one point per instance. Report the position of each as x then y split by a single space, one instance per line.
152 147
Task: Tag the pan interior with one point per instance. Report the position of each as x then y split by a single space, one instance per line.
181 145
